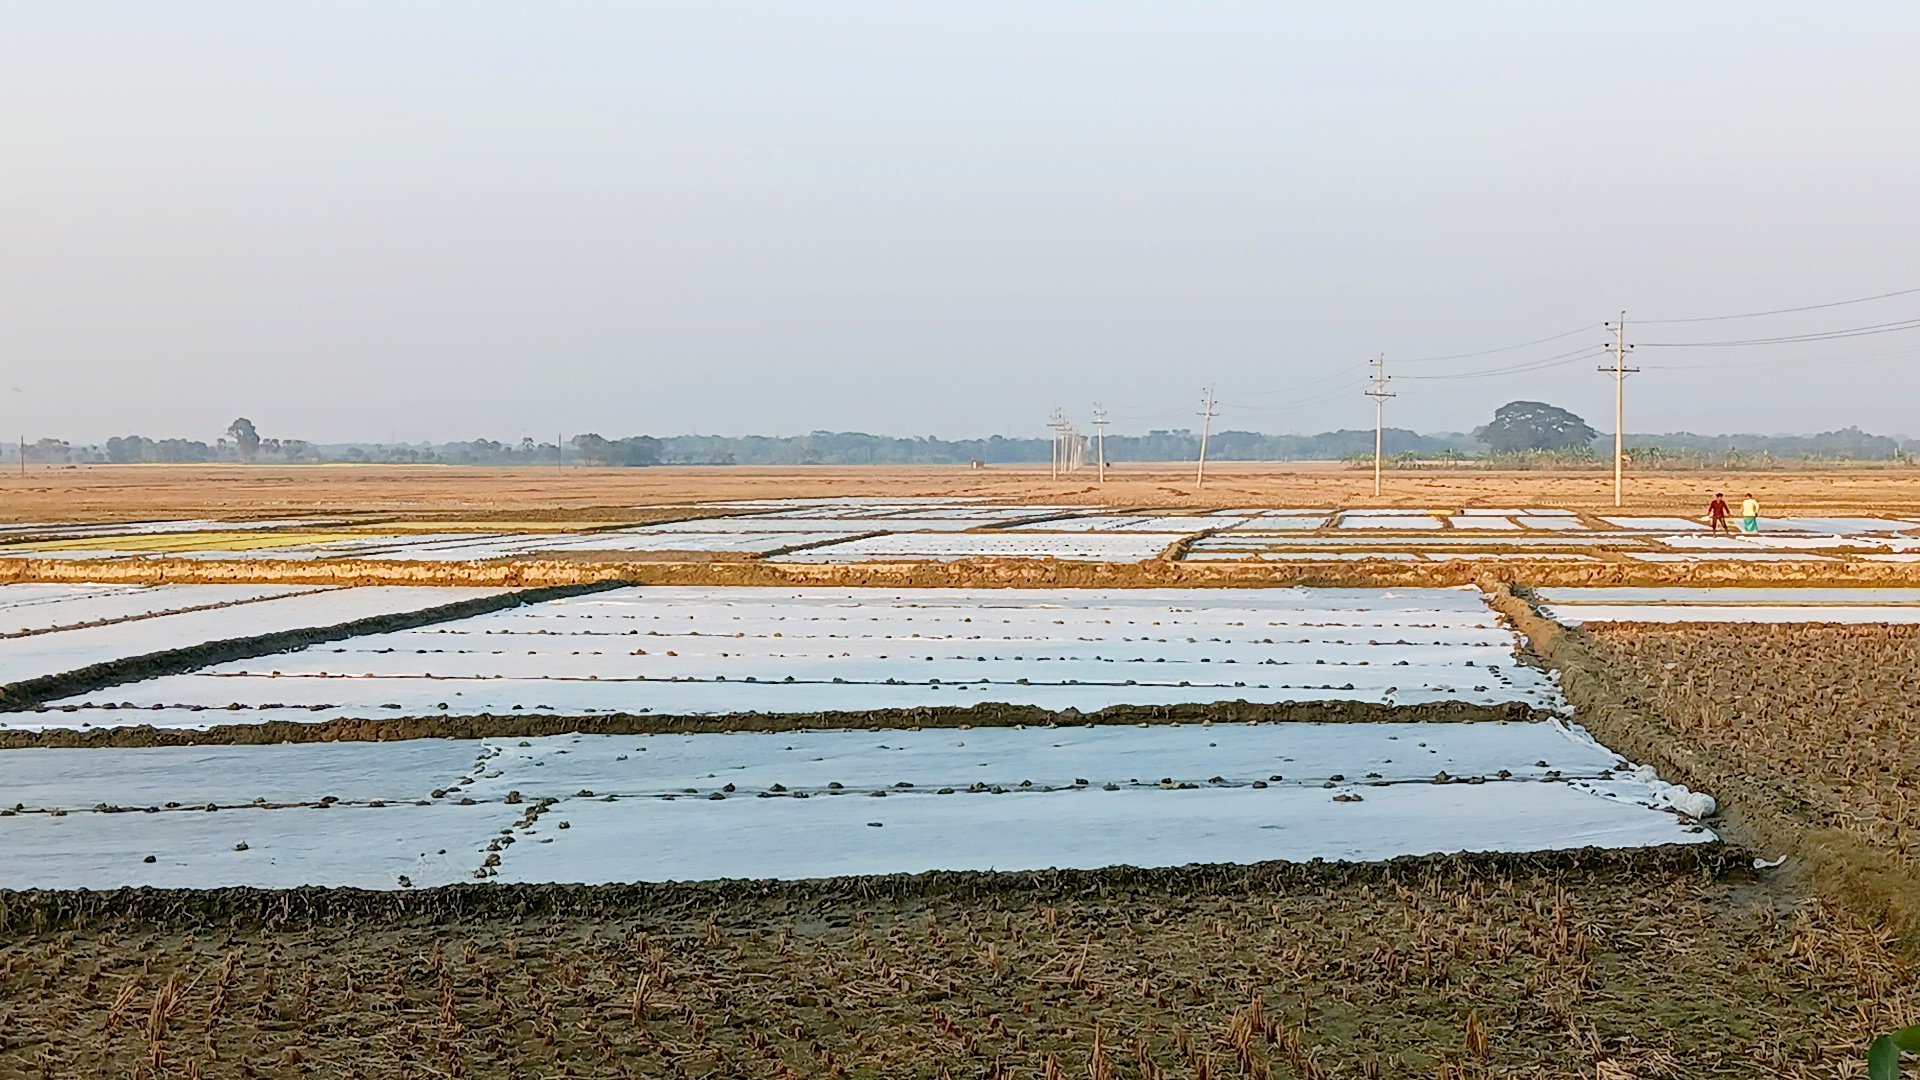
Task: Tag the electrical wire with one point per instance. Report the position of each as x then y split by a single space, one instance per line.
1302 386
1904 352
1304 403
1501 349
1781 311
1543 363
1787 339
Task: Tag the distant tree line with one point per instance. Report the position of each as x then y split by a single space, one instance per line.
1521 433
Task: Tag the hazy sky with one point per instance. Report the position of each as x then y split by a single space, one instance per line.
362 221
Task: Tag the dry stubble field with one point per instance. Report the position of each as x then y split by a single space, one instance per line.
1655 965
132 491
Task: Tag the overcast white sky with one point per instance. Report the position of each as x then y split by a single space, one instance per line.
434 221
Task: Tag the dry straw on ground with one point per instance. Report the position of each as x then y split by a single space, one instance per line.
1803 734
1830 715
1583 966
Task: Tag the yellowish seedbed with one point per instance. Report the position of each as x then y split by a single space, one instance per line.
170 542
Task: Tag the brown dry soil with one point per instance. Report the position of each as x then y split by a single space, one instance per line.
1660 964
132 492
1804 734
544 497
1828 715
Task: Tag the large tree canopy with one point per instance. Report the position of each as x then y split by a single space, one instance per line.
1534 425
244 437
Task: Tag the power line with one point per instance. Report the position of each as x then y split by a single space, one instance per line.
1785 311
1501 349
1524 366
1310 382
1787 339
1294 406
1905 352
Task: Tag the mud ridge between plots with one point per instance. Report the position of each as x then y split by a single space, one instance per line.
1871 880
29 693
525 725
617 569
747 901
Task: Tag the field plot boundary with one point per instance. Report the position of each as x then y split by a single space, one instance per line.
528 725
1006 573
1869 879
38 911
29 693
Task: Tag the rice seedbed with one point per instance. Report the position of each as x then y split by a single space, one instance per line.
1571 599
42 609
1576 607
1562 967
1011 544
807 804
1403 521
1177 525
166 543
222 618
1655 524
690 652
1452 539
1727 556
826 525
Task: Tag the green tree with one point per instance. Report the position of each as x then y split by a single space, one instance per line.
1534 425
245 438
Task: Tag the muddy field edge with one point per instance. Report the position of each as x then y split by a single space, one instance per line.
37 911
509 726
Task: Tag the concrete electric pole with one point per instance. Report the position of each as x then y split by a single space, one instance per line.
1100 440
1379 394
1620 372
1207 413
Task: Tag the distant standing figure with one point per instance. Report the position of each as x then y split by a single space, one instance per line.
1750 515
1717 515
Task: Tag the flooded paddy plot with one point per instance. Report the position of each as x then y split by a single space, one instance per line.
704 651
809 804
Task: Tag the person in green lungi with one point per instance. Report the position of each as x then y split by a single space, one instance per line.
1750 515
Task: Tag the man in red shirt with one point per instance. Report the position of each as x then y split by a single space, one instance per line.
1717 515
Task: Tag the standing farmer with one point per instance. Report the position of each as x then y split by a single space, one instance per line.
1717 515
1750 515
